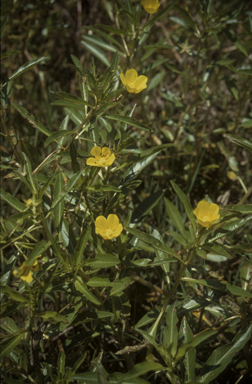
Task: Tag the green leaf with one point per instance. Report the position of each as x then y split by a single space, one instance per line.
188 22
59 208
136 168
99 282
8 325
12 201
29 173
9 53
128 120
240 141
68 236
102 261
46 185
120 285
94 40
70 104
222 356
154 64
68 187
155 81
174 215
76 116
244 71
82 288
245 275
58 252
149 239
158 16
170 334
27 66
146 206
197 339
187 205
241 47
39 249
61 365
141 369
53 315
190 356
79 250
77 64
97 52
8 346
222 286
30 119
56 136
73 154
13 294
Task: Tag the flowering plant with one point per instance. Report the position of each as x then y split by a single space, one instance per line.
132 82
151 6
108 228
206 213
102 157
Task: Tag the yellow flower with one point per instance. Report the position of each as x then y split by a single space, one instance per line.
102 157
108 228
24 272
206 213
132 82
150 6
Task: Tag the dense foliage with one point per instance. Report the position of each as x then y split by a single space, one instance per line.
126 235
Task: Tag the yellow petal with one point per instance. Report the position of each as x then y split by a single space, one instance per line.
122 77
22 268
118 231
113 222
92 161
131 89
141 81
214 211
130 76
110 160
101 224
27 276
96 152
106 152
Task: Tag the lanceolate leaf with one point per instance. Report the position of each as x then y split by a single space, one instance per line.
31 120
27 66
39 249
81 287
157 244
8 346
170 334
223 356
190 356
186 204
79 250
97 52
129 121
15 203
141 369
146 206
59 208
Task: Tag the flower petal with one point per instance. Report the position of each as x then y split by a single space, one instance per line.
110 160
141 81
118 231
96 152
92 161
113 222
101 224
122 77
106 152
131 89
214 211
130 76
27 276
